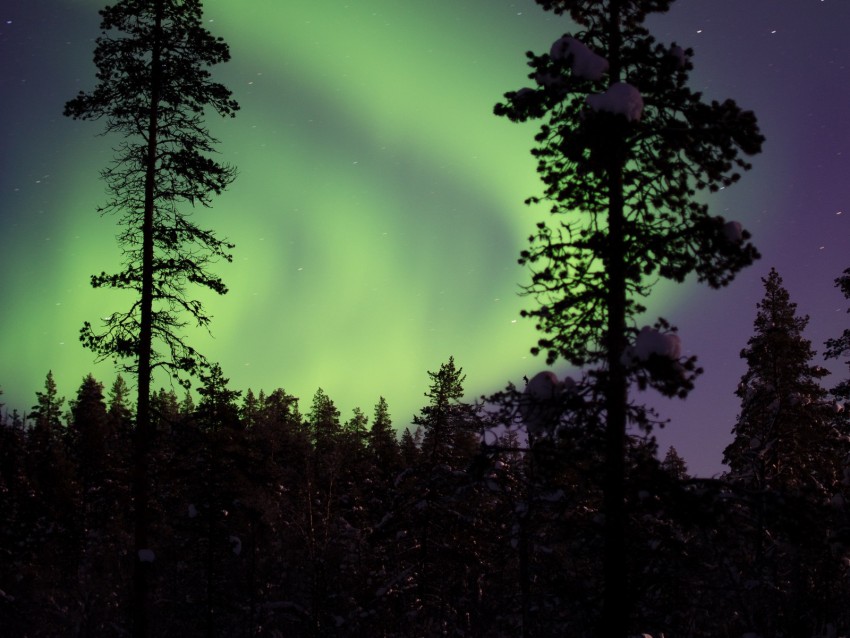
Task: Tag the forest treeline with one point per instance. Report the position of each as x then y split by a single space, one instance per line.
270 521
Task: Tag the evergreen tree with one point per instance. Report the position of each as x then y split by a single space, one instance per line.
90 431
250 409
46 414
382 441
442 507
786 458
357 425
19 531
50 469
783 438
352 443
15 419
186 409
279 409
324 422
217 407
98 455
624 146
449 426
153 88
165 412
55 506
674 464
409 446
120 412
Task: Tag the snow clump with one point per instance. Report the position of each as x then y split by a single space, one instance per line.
734 232
543 386
679 53
621 98
538 409
585 64
652 342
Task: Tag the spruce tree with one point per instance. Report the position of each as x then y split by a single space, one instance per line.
90 432
324 420
217 407
96 450
250 409
409 447
279 409
441 500
51 471
357 424
784 462
46 414
674 464
48 453
623 149
449 426
783 439
120 413
382 441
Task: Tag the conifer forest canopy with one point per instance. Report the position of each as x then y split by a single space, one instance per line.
378 212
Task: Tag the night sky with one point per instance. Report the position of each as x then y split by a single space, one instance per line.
378 210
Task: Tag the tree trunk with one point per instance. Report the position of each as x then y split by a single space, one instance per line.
141 480
615 609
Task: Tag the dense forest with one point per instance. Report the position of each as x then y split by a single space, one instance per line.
276 519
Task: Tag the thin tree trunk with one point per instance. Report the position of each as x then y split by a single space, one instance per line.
141 479
615 606
615 611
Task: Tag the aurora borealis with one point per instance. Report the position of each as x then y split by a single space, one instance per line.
378 210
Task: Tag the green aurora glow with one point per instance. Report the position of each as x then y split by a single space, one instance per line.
377 214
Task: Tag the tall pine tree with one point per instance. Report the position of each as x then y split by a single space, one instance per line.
624 146
153 88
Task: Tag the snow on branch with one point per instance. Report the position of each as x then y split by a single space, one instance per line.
680 54
654 342
621 98
584 63
734 232
540 409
